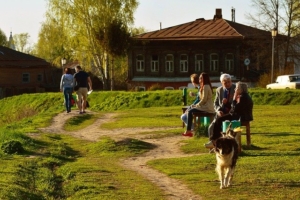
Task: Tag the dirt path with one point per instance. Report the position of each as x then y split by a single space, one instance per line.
167 147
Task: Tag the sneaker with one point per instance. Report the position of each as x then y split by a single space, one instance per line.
189 134
209 145
80 112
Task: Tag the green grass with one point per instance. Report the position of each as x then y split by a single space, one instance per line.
61 167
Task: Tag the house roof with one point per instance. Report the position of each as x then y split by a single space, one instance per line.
202 29
12 58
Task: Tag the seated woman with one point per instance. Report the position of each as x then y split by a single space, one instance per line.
204 105
241 109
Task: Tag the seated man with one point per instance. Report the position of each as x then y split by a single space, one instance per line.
223 99
241 109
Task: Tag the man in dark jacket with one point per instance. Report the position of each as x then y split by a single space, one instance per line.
83 83
241 109
223 99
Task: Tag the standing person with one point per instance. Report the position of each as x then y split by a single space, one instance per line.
66 86
204 105
195 82
223 99
241 109
83 81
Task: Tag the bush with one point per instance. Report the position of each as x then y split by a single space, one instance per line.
11 147
155 87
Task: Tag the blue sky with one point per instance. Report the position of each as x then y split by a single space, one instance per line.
26 16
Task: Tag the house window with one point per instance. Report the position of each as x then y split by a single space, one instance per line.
169 63
140 63
214 62
25 77
39 77
199 63
229 66
154 63
183 63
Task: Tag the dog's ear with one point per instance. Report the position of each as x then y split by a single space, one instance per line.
223 134
233 134
228 129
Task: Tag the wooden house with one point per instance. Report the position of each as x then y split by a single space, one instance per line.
22 73
169 56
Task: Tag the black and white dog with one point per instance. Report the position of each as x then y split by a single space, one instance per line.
226 149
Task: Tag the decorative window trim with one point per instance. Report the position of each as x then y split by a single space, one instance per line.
140 63
183 63
229 62
214 62
199 63
169 64
154 63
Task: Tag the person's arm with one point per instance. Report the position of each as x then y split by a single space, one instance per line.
204 96
90 83
61 82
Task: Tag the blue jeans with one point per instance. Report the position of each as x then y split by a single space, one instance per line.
67 94
184 118
190 117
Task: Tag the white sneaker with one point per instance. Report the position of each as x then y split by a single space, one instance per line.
209 145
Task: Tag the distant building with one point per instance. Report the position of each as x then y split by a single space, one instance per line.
23 73
11 43
169 56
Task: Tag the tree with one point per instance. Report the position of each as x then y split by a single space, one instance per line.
3 38
79 24
22 42
281 15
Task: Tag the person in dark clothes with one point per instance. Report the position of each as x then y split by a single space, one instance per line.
83 84
241 109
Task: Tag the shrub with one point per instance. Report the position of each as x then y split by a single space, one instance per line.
155 87
12 146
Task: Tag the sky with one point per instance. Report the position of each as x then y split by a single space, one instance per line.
26 16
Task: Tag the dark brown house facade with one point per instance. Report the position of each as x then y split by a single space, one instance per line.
169 56
23 73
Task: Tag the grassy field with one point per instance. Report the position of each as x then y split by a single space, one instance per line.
62 167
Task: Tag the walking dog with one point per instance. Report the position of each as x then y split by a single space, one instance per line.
226 149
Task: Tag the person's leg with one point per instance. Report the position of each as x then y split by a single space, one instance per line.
218 126
66 98
184 118
211 128
69 100
79 100
84 92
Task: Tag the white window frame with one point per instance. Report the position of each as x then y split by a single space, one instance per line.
140 63
183 63
229 62
214 62
26 77
154 63
199 63
169 63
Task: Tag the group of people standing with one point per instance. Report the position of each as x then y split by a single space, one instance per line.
80 82
232 102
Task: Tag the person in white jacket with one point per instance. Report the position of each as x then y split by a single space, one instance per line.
66 86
